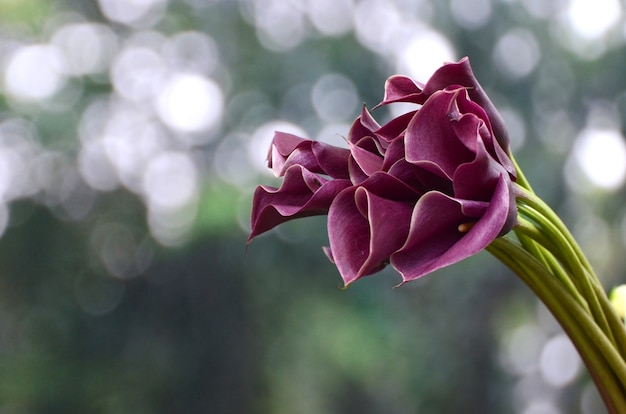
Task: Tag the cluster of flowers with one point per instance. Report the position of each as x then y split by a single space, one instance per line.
425 190
435 186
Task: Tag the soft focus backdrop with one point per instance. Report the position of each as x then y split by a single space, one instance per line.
133 132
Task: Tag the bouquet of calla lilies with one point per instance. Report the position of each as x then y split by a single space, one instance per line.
434 186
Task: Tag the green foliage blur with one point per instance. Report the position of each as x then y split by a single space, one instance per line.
117 298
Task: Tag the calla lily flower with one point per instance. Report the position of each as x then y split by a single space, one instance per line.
423 191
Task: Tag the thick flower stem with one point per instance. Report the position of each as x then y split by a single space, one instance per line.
527 230
553 265
554 241
530 198
556 238
520 180
606 365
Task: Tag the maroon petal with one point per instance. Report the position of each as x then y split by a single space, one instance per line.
333 161
403 89
371 144
419 179
283 145
368 163
476 180
461 74
441 234
396 127
357 175
301 194
395 152
400 88
387 186
431 141
363 126
318 157
364 230
466 106
366 158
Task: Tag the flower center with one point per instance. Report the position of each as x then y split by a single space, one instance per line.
465 227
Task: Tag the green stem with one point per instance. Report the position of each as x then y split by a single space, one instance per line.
531 231
521 178
529 198
570 254
555 241
603 361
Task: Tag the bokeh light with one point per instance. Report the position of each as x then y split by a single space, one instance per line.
191 51
425 51
523 348
137 72
601 155
517 53
133 12
592 20
280 24
334 98
170 181
87 47
190 103
35 72
331 17
560 363
471 14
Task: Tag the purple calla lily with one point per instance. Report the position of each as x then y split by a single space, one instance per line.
400 88
426 190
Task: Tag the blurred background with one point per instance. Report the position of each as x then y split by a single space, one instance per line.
133 133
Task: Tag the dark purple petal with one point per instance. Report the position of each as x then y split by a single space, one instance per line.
400 88
363 126
333 161
431 141
403 89
366 158
301 194
461 74
419 179
367 161
394 153
442 234
364 230
387 186
283 145
348 233
396 127
318 157
371 144
357 175
466 106
476 180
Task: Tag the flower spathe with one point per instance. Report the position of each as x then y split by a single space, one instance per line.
423 191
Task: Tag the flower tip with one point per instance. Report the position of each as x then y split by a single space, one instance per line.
401 283
345 286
